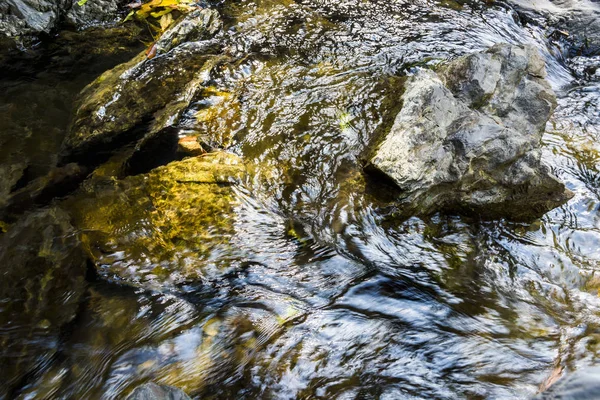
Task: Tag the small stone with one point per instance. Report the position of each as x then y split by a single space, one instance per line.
152 391
189 145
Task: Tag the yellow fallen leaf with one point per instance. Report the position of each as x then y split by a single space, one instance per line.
166 21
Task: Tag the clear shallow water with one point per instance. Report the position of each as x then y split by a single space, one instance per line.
325 294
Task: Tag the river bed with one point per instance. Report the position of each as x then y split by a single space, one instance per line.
318 291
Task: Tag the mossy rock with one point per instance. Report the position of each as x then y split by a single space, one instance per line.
165 227
128 95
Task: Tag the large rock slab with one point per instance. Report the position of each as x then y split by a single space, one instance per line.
468 137
128 96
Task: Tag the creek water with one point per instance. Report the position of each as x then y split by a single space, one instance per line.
326 294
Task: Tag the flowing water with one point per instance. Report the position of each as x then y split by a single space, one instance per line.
322 292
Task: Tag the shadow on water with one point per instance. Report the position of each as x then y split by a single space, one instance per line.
319 291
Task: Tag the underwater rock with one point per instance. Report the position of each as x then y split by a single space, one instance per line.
10 174
152 391
127 96
160 143
42 279
468 137
58 182
162 228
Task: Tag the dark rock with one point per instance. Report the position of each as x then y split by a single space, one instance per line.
152 391
58 182
42 279
468 137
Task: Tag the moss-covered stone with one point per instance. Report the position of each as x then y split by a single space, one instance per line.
129 94
164 227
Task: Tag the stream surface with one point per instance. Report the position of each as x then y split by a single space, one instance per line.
324 294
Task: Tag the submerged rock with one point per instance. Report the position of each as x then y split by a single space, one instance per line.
127 96
42 279
165 227
9 177
58 182
468 137
152 391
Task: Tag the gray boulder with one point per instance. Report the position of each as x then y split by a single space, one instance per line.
468 137
152 391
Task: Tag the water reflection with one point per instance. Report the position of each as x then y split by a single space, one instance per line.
326 294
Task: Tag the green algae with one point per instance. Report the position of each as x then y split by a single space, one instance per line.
164 226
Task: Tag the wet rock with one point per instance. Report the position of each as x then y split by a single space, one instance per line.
23 17
160 144
189 145
42 278
31 17
468 137
197 25
576 22
162 228
92 12
152 391
127 96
